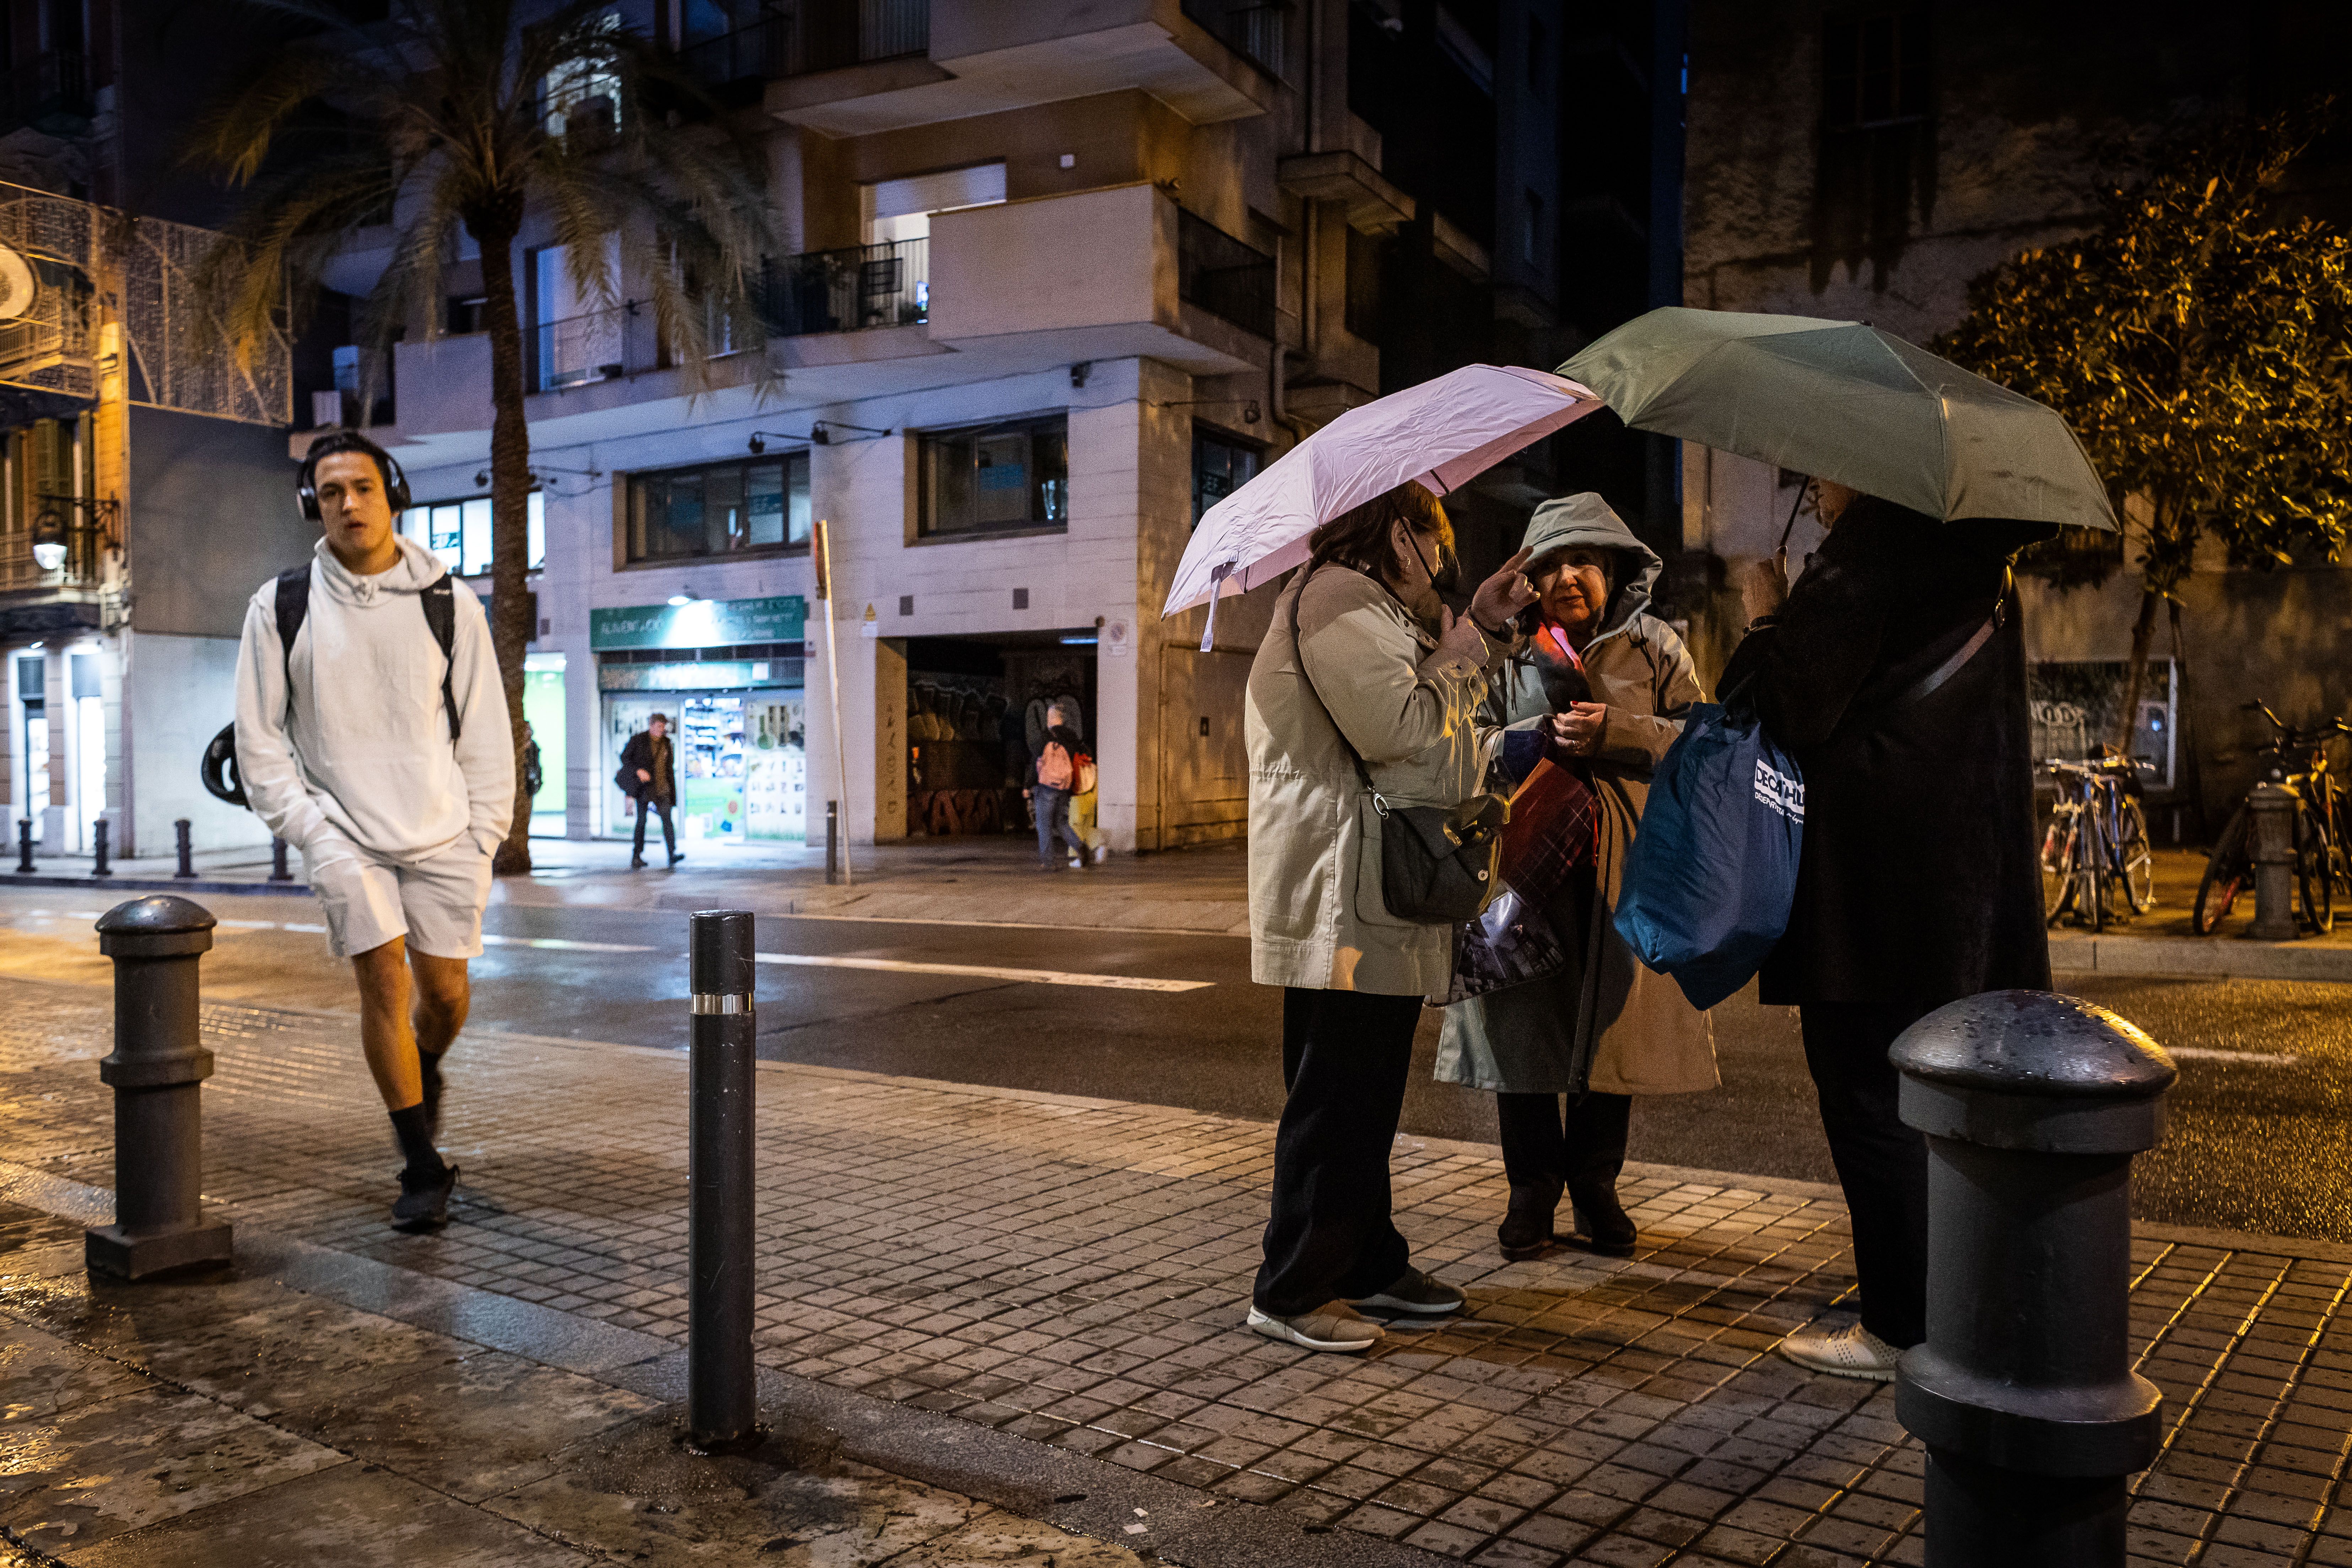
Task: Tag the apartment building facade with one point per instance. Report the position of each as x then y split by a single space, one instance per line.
1060 275
143 481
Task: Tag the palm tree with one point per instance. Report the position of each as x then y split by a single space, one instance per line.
474 112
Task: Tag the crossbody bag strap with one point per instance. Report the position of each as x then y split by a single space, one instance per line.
1928 683
1354 756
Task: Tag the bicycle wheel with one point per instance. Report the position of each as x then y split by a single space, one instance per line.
2091 874
2135 859
2057 862
2312 876
2227 874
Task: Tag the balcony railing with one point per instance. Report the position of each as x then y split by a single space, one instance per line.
1223 276
49 91
844 290
600 345
1253 30
817 36
84 566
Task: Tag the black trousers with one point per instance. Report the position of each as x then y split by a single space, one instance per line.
646 805
1345 1057
1545 1148
1880 1163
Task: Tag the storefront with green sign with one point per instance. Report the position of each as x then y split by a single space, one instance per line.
728 674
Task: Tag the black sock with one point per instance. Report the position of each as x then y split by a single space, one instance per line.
428 1067
416 1142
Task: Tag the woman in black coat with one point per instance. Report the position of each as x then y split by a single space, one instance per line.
1894 671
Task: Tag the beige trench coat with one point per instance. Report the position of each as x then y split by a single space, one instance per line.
1316 916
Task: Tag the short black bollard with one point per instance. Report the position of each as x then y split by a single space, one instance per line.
277 871
24 846
2271 837
2034 1105
183 830
98 866
721 1405
157 1071
832 842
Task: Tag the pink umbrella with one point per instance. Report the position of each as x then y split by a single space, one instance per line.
1440 434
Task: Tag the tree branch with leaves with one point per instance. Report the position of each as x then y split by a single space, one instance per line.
2202 348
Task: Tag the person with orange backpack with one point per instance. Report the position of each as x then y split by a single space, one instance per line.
1049 797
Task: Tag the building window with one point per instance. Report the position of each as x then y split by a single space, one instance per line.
1221 465
1874 70
459 531
759 506
1014 475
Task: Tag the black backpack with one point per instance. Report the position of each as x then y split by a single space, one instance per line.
440 601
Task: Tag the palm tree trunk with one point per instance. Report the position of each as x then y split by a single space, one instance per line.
510 609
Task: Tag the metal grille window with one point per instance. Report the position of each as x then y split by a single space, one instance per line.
1875 71
1223 276
757 507
841 290
1015 475
1221 466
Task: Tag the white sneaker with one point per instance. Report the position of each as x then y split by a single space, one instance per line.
1324 1329
1077 864
1102 853
1850 1351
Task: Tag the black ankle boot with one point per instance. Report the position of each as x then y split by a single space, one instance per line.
1602 1221
1527 1227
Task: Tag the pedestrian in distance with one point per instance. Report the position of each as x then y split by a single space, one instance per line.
1565 1053
1058 761
649 777
1364 664
1894 672
372 736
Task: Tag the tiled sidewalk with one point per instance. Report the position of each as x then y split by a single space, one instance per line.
1074 1271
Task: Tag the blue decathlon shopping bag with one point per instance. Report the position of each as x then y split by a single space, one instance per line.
1713 873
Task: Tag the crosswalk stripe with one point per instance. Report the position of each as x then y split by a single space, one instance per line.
987 972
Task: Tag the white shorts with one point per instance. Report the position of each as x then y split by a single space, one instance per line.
436 903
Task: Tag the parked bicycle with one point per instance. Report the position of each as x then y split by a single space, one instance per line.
2297 761
2096 862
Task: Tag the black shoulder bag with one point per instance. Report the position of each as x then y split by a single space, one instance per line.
1439 864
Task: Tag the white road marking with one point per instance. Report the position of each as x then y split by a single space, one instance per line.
2260 1059
565 944
987 972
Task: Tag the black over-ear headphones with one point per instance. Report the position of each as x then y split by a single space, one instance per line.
306 487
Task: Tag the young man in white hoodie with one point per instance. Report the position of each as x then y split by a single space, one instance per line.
395 802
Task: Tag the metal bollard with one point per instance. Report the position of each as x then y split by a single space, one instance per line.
2272 809
2034 1105
183 831
277 871
721 1405
99 867
24 846
157 1071
832 842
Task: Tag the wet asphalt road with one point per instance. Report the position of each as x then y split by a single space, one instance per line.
2259 1139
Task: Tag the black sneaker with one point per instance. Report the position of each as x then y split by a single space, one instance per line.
676 859
424 1203
1415 1292
636 862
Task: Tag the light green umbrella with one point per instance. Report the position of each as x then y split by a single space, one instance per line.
1839 400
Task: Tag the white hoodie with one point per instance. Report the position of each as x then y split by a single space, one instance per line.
365 750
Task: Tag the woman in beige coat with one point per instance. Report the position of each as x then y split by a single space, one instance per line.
1361 662
1603 1028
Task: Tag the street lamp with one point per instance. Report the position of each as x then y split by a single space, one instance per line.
48 539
